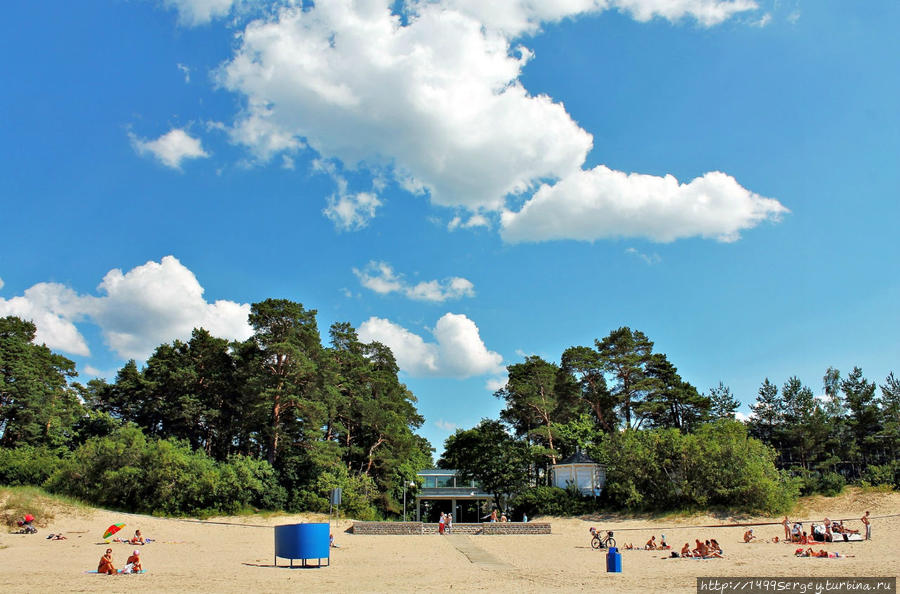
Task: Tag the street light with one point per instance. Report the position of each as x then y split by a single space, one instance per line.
411 485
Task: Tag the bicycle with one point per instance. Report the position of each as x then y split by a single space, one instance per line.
602 542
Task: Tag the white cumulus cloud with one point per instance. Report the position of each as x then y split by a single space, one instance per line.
200 12
433 100
457 350
352 211
601 203
149 305
54 309
381 278
171 148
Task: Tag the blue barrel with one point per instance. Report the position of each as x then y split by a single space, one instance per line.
303 541
613 560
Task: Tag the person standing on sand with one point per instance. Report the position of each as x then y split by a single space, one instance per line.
787 529
441 523
865 521
449 522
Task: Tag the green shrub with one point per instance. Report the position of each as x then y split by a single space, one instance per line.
550 501
884 474
127 471
27 465
718 465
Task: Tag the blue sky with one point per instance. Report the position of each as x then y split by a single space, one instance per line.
467 182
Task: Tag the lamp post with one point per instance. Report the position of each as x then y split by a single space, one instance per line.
411 485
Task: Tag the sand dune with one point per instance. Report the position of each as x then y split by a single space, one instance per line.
231 555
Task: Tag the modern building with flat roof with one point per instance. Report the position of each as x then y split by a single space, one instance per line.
443 491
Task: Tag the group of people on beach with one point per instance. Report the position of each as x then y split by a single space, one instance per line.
445 524
651 545
822 532
132 565
703 549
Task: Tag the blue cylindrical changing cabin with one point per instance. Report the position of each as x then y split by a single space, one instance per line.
302 541
613 560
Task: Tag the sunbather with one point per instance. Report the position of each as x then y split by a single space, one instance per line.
686 550
748 535
106 564
700 550
712 551
138 538
134 563
651 544
845 530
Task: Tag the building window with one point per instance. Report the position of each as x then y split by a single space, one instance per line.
445 481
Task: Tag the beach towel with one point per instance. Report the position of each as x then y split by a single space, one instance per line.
118 572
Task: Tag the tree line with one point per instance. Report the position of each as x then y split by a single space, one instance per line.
667 445
291 416
280 419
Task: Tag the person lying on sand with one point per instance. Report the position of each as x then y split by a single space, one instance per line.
847 530
56 537
106 564
748 535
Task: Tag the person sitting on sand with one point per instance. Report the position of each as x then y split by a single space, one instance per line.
663 545
700 550
803 538
686 550
651 544
712 551
748 535
133 564
138 538
106 564
715 546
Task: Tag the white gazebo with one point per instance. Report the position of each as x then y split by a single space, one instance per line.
579 470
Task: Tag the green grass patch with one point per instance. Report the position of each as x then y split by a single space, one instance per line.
15 502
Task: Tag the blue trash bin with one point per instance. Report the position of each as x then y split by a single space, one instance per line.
613 560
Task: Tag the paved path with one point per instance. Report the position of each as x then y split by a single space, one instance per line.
465 545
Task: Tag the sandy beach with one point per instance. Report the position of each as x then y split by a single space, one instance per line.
236 555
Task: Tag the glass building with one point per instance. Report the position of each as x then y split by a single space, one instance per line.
443 492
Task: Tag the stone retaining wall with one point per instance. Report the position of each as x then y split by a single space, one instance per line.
493 528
